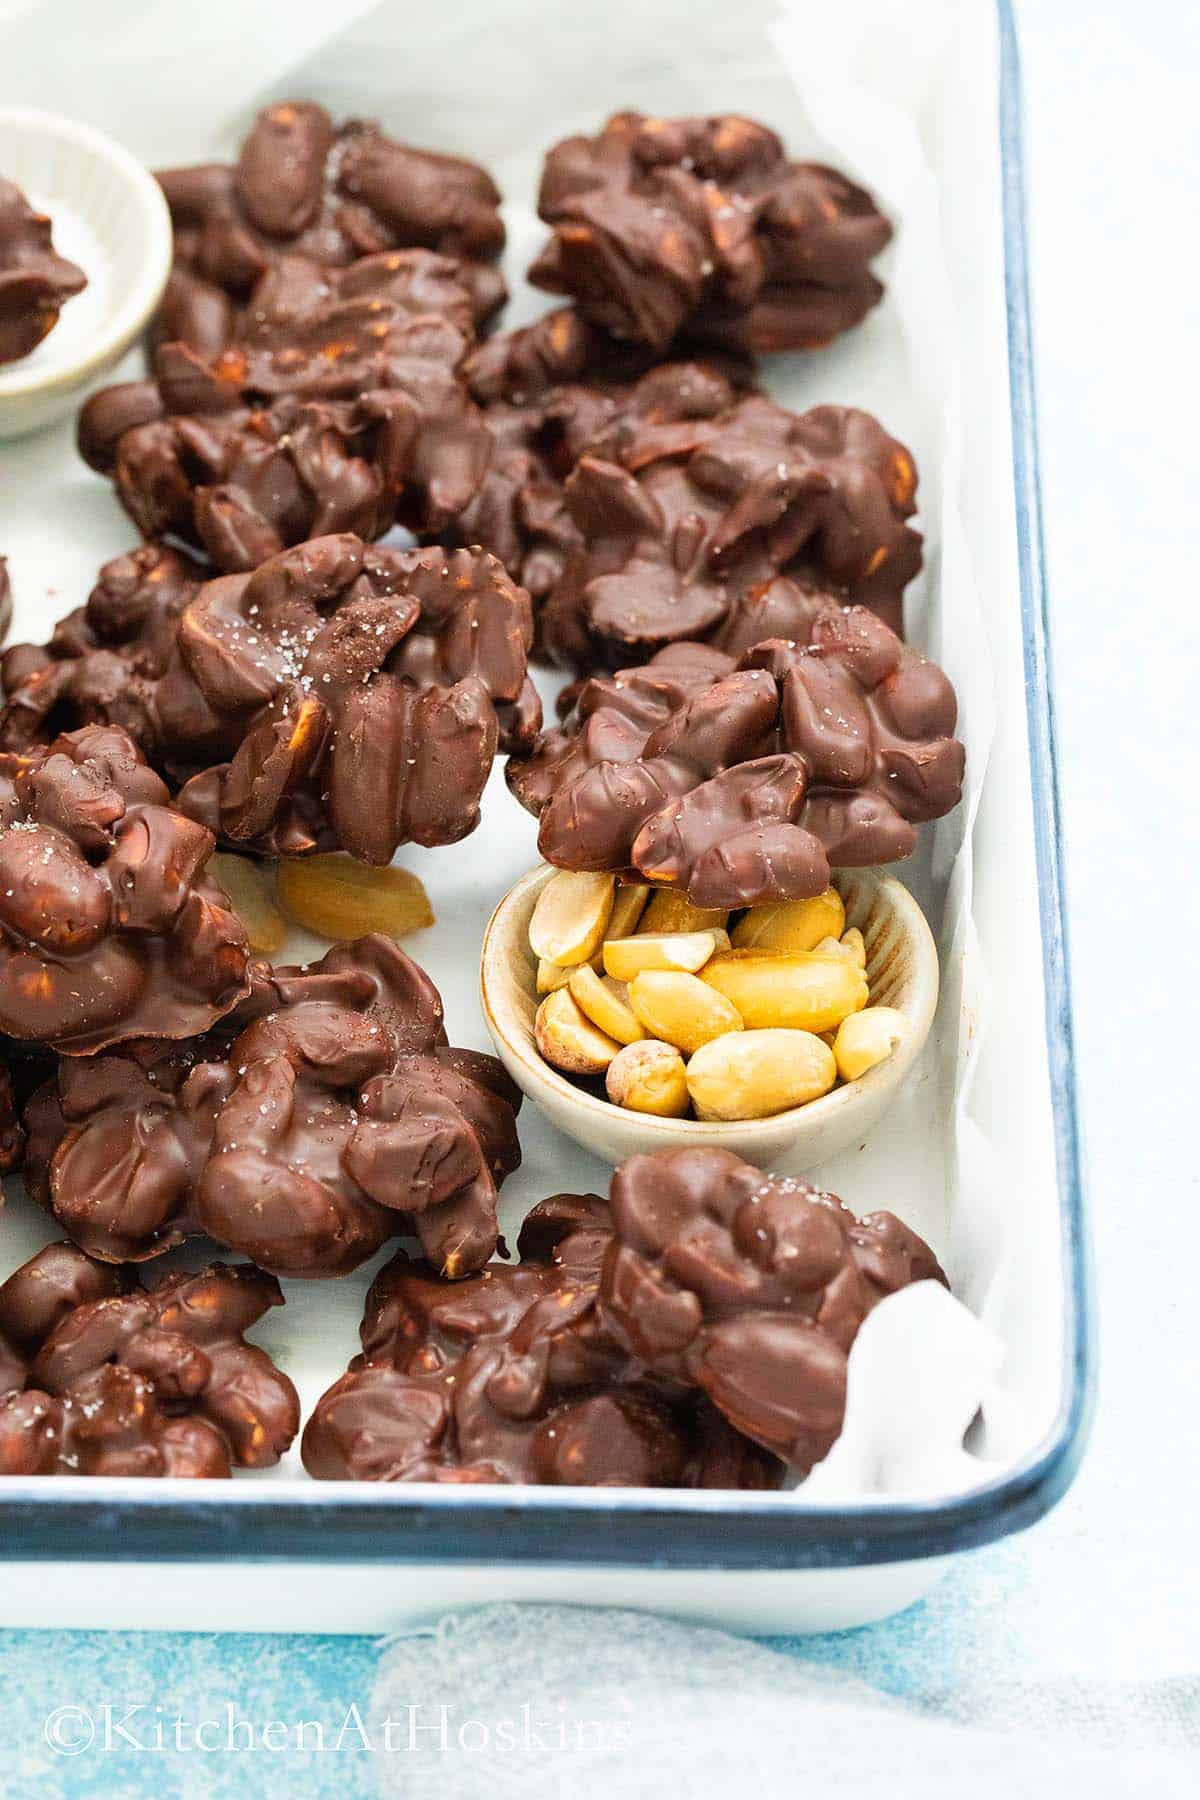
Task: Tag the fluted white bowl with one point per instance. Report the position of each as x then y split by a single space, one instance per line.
902 971
109 216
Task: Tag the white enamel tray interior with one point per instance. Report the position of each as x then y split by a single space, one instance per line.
901 972
965 1150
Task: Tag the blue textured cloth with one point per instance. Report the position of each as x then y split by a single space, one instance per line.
294 1679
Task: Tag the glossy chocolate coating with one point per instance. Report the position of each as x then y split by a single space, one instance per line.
12 1134
549 392
368 690
303 186
109 925
510 1376
34 280
703 228
335 405
749 780
323 1116
682 522
111 661
751 1286
99 1377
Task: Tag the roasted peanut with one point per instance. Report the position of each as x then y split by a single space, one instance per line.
550 976
629 904
688 950
752 1074
867 1038
681 1009
791 926
566 1037
265 925
850 945
854 941
604 1001
808 992
670 910
571 916
649 1077
337 897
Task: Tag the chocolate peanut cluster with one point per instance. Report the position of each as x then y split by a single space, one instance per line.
106 663
35 281
109 925
685 525
335 405
367 691
752 1287
330 193
747 780
549 392
323 1116
101 1377
703 228
513 1376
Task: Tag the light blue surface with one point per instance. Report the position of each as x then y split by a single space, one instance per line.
1103 1588
958 1630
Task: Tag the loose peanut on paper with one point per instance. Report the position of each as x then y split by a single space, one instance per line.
337 897
790 926
753 1074
808 992
566 1037
649 1077
867 1038
681 1009
265 925
571 916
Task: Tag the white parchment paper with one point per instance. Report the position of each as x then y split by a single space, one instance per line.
902 96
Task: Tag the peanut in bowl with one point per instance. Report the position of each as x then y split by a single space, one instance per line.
901 971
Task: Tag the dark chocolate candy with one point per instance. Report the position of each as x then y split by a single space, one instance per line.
752 1287
335 406
111 662
747 780
110 927
510 1376
303 186
34 280
12 1134
549 392
325 1115
682 522
99 1377
703 228
369 689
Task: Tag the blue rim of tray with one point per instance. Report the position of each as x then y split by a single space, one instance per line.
677 1529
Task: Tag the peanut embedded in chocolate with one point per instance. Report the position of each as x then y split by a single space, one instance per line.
510 1376
702 228
109 926
751 1286
745 781
99 1377
323 1116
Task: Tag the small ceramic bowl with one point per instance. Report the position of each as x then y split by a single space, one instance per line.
902 971
108 215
